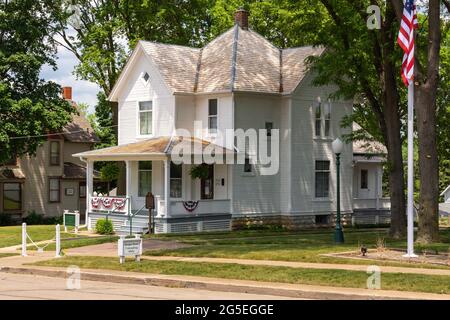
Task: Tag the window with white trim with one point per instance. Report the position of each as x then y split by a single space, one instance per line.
247 165
145 77
144 178
176 182
327 118
212 115
364 178
145 117
322 115
322 178
318 117
269 127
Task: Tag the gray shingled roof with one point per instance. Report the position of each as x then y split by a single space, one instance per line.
79 129
367 147
238 60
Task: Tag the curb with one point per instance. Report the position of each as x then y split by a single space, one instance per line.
262 288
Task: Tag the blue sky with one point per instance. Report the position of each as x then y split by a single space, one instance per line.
83 91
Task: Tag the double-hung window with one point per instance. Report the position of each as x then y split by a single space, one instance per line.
212 115
12 196
145 117
145 178
55 153
327 116
269 127
54 189
322 115
322 179
176 182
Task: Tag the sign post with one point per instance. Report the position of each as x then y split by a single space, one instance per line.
131 247
150 205
71 219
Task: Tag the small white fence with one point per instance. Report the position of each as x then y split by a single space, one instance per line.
56 239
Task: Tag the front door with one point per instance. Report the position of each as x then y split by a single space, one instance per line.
207 184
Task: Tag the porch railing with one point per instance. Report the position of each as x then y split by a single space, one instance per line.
99 203
372 203
216 206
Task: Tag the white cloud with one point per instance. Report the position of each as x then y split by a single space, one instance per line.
82 91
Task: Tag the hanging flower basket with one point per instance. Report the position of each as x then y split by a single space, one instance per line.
200 171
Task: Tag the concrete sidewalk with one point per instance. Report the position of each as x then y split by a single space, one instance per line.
16 265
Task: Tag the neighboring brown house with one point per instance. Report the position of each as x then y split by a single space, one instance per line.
52 180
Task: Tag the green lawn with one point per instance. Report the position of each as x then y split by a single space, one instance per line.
339 278
3 255
78 242
10 236
304 246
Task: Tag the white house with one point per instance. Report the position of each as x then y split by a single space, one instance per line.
237 81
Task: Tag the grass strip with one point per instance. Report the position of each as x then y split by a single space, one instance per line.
327 277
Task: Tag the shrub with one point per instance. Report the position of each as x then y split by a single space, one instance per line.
5 219
104 226
34 218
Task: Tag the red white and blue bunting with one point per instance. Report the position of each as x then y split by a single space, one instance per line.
108 203
190 205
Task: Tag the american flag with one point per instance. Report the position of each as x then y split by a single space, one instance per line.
406 40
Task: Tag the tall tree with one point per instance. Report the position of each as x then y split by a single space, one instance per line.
30 107
361 63
425 86
101 33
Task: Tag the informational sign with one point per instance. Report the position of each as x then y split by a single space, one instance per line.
129 248
71 219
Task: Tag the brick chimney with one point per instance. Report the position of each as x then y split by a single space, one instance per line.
241 18
67 93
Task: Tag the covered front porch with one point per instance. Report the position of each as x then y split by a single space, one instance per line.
182 203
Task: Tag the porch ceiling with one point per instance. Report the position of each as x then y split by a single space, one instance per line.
151 149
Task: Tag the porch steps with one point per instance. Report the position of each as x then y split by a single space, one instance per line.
139 225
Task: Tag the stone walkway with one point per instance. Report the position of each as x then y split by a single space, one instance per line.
110 249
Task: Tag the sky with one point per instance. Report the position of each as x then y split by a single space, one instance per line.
82 91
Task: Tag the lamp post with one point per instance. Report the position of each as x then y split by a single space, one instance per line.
337 147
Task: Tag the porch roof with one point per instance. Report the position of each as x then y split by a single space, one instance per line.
151 149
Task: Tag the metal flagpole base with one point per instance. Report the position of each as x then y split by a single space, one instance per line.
408 255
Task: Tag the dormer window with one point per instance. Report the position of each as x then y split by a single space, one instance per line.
145 77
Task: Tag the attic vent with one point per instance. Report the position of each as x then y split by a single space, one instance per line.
146 77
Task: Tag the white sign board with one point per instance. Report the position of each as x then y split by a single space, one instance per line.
129 247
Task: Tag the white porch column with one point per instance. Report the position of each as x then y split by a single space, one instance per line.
167 186
128 181
89 189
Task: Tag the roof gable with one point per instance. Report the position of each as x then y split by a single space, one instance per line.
237 60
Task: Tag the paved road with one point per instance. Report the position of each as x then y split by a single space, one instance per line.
15 286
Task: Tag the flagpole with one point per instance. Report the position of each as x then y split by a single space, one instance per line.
410 203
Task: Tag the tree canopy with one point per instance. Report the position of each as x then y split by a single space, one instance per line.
30 107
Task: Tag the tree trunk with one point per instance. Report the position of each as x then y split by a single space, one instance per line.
425 102
396 177
392 128
121 183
